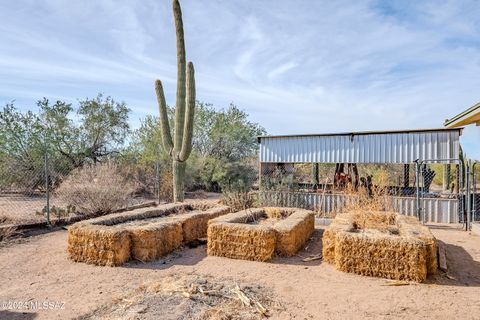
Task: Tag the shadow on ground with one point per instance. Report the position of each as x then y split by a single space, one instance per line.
186 256
462 270
10 315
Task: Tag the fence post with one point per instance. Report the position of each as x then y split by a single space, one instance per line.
467 193
47 187
157 180
474 192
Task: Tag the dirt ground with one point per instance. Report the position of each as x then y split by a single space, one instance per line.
36 270
21 208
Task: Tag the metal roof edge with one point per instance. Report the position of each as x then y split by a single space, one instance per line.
451 121
358 133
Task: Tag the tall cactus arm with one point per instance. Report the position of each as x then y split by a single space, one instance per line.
164 125
189 115
181 73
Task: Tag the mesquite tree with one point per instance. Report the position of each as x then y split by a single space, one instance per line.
180 147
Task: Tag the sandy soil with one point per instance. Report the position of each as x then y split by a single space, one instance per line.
37 270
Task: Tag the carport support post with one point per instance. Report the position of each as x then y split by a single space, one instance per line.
417 181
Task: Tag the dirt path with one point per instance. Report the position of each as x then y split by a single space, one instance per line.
38 270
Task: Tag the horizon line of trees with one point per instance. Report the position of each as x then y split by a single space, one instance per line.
96 130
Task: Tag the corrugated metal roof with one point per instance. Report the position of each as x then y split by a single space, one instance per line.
362 147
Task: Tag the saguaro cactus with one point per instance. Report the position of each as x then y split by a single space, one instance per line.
180 147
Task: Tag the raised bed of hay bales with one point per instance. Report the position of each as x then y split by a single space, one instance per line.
143 234
258 234
381 244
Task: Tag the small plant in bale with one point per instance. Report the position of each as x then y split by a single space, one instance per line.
180 147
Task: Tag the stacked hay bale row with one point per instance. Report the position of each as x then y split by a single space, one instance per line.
410 227
157 239
241 241
399 249
231 236
113 240
381 255
293 232
95 245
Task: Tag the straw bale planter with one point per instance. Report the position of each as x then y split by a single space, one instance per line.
241 235
143 234
380 244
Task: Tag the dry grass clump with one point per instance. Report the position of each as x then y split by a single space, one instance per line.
380 244
96 189
238 200
277 213
143 234
236 236
191 296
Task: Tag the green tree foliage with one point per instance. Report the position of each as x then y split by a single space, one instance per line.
103 126
96 129
223 141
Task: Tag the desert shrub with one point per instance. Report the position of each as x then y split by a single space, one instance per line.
376 198
217 175
96 189
239 199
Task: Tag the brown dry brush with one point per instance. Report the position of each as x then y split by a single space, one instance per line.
239 200
166 186
366 200
96 189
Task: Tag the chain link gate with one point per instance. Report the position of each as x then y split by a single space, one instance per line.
474 167
440 190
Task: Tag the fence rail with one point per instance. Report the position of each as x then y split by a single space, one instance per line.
438 210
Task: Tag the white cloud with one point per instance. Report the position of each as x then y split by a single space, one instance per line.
295 66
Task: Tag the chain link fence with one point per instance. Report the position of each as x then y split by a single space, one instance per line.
34 194
476 191
434 191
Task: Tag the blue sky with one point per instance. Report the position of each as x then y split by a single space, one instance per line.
294 66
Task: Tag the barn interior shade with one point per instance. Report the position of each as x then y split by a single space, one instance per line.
363 147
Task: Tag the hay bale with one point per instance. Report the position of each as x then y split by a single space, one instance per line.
142 234
410 226
339 224
244 216
231 235
379 220
155 240
241 241
139 214
293 232
195 224
383 245
381 255
96 246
